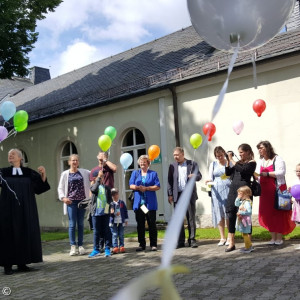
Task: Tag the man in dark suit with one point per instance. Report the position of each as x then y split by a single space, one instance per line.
179 173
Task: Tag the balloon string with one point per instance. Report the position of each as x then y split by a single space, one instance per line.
254 72
124 192
221 96
2 179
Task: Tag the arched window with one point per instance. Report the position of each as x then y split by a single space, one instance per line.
25 159
68 149
133 143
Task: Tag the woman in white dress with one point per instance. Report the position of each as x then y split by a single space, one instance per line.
219 192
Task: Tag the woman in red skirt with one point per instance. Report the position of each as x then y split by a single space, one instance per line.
272 170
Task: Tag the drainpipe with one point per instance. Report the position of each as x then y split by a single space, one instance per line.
175 110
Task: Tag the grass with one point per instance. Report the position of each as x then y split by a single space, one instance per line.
259 233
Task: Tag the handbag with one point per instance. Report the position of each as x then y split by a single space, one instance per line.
283 200
131 196
255 188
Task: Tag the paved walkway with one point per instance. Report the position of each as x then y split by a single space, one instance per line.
270 272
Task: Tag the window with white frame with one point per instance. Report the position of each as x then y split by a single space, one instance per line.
134 144
68 149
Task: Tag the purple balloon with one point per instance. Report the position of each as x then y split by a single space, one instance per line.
3 133
295 191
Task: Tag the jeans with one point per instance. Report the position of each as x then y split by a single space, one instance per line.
76 216
117 230
101 229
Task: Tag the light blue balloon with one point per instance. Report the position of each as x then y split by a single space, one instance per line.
126 160
8 110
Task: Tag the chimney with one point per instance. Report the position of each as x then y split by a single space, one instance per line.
38 75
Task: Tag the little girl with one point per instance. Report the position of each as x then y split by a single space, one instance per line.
243 222
296 204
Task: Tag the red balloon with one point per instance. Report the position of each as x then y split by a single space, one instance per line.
209 130
259 106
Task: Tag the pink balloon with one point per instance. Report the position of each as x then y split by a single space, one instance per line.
3 133
238 127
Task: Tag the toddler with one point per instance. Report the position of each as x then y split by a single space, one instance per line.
118 219
296 204
243 222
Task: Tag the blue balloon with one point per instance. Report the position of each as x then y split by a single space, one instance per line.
126 160
8 110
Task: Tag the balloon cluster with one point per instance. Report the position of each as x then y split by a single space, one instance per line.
107 138
20 119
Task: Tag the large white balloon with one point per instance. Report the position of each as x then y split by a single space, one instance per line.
255 22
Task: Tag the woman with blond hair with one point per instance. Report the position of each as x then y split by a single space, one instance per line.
74 186
145 183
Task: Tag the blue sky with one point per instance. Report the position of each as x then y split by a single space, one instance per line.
80 32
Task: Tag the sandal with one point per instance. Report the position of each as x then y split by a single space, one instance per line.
222 242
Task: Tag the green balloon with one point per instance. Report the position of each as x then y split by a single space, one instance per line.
20 118
111 132
196 140
104 142
22 127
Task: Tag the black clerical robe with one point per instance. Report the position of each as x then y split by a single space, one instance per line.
20 240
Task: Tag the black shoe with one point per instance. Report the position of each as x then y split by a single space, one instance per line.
24 268
230 249
194 244
181 245
8 270
139 249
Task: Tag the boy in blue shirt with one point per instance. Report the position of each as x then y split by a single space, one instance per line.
118 219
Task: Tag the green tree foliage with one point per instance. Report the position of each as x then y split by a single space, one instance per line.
17 33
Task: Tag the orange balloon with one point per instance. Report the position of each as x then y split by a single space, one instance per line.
153 152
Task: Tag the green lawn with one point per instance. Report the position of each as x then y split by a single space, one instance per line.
259 233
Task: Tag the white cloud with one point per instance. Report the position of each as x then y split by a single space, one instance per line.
77 55
117 19
80 32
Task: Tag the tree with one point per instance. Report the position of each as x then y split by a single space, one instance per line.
17 33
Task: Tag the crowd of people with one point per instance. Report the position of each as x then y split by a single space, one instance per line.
93 191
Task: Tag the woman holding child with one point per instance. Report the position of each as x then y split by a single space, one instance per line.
241 172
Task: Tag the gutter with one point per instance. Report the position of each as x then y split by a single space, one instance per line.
175 110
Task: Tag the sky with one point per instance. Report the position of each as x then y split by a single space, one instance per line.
81 32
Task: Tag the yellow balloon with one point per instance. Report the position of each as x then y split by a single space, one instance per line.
104 142
196 140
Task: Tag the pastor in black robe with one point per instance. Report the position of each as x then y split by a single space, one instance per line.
19 222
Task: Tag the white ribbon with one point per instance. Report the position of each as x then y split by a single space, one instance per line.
225 85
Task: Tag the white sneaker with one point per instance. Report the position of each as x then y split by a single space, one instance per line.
279 242
297 248
245 250
81 250
227 243
73 250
